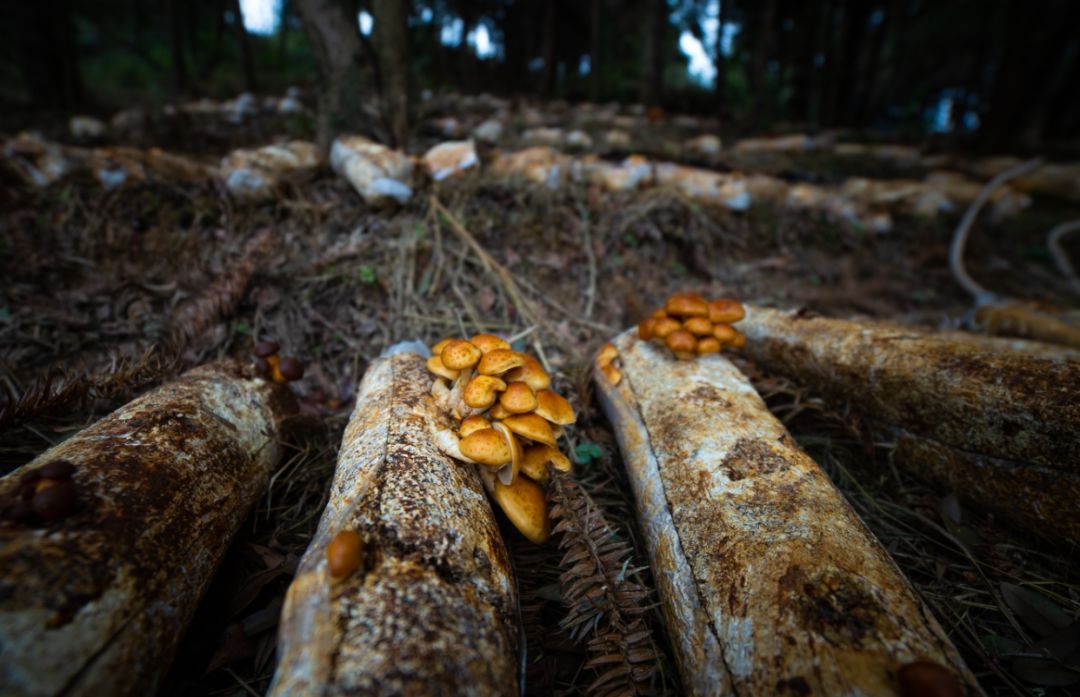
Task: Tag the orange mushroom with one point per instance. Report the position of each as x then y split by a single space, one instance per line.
726 311
682 343
687 305
523 503
459 354
518 398
345 553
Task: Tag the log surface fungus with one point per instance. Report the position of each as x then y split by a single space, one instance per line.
432 608
768 580
95 602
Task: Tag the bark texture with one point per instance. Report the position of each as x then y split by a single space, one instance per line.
769 582
95 603
432 609
392 44
976 395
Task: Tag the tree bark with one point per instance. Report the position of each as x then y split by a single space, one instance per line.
46 52
96 602
595 83
548 47
720 88
335 42
652 56
432 607
769 582
392 46
178 61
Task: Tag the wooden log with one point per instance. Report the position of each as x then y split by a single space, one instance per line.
769 582
978 396
96 592
1041 500
432 608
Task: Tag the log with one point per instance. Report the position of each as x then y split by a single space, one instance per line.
432 607
97 590
978 396
768 581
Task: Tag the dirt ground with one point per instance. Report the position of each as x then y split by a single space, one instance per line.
106 293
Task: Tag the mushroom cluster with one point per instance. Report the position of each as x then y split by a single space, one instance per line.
508 422
691 326
45 493
280 369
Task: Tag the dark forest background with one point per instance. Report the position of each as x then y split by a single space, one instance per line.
1002 74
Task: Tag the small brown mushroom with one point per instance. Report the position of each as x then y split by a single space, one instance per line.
531 373
708 344
291 369
56 469
345 553
54 498
518 398
928 679
482 391
666 326
739 340
682 343
524 504
499 361
265 348
498 411
698 326
555 408
436 365
531 426
459 354
472 425
489 342
486 446
726 311
536 459
687 305
646 328
605 359
724 333
438 347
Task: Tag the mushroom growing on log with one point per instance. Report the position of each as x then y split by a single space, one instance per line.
768 580
127 522
426 603
1011 407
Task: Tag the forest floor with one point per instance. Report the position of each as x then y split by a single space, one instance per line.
93 279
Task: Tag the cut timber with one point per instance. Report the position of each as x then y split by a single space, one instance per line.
432 609
769 582
94 603
1036 498
978 395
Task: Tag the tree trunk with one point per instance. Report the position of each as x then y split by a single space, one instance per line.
548 47
595 84
243 41
46 52
432 607
392 46
96 601
768 581
652 57
335 42
760 55
720 88
178 62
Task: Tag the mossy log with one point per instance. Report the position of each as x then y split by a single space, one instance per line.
97 589
768 581
976 395
431 608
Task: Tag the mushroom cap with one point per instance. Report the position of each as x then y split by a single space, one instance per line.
486 446
536 458
524 504
291 368
472 425
681 341
435 365
708 344
687 305
726 311
725 333
531 373
665 326
509 472
439 346
344 553
739 340
482 391
646 329
459 354
265 348
555 408
531 426
698 326
927 678
660 314
489 342
499 361
518 398
498 411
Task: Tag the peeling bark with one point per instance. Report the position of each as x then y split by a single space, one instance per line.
432 610
96 602
978 395
769 582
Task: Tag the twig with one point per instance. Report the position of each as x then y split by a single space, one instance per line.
963 230
590 293
1053 242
